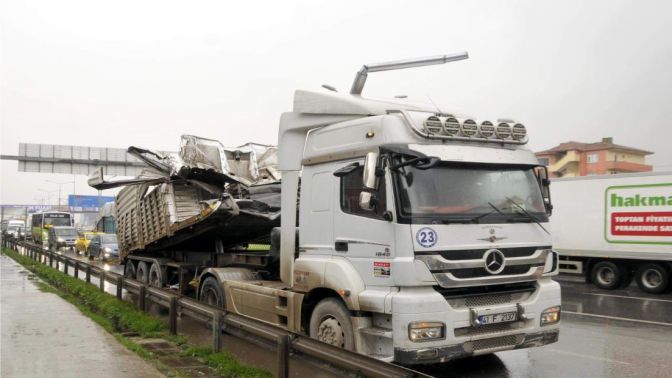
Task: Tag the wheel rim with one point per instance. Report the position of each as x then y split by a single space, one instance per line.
154 280
606 276
652 279
130 271
331 332
210 297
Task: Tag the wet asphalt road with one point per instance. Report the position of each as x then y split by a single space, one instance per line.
620 333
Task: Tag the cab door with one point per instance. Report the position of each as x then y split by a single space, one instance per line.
364 237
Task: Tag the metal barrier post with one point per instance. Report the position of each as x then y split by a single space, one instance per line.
173 315
101 280
283 356
217 332
120 286
65 267
58 259
141 297
88 274
76 270
51 260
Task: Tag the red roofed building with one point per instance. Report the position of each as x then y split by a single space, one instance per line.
584 159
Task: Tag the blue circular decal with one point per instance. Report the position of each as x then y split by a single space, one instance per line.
426 237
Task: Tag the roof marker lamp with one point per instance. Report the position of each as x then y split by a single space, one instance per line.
426 331
486 129
469 128
518 131
503 130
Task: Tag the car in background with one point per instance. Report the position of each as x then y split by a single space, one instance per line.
16 232
104 247
9 227
83 240
61 237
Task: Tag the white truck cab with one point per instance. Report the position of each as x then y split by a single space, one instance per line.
422 237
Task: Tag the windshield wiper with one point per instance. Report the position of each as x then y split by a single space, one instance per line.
528 215
495 209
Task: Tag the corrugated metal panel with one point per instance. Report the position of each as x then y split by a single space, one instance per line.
46 150
79 152
32 150
63 152
97 153
116 154
62 167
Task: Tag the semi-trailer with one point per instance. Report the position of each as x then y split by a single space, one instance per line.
378 225
613 228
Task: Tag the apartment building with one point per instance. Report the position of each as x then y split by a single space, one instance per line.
571 159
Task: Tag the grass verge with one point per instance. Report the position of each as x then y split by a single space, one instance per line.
119 316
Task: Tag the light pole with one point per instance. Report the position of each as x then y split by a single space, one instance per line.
59 188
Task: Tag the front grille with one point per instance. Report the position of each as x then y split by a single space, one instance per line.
502 342
487 300
518 292
475 254
480 272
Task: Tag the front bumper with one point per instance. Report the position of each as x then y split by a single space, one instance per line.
462 338
443 354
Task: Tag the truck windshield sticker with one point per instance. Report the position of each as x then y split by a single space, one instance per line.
639 214
426 237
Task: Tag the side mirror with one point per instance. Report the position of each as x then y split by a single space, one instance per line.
369 181
544 185
370 165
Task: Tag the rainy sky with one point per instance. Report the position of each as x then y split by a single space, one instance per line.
120 73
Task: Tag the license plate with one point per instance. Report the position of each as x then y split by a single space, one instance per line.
502 317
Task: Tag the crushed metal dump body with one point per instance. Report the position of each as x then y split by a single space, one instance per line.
207 197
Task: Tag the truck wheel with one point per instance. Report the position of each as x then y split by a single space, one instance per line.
212 293
129 269
155 276
331 324
653 278
607 275
142 272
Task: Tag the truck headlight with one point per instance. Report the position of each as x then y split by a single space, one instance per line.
550 315
551 264
60 240
107 250
426 331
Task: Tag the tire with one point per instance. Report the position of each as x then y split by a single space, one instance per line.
88 253
142 272
607 275
212 293
653 278
330 323
155 276
129 269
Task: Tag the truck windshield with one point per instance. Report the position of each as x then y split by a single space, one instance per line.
57 219
469 193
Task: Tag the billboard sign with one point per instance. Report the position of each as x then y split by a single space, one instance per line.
639 214
87 203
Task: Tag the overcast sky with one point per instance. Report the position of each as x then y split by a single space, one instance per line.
142 73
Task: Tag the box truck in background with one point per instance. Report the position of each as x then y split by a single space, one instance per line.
615 228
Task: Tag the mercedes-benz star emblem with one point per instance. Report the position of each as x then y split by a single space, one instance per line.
494 261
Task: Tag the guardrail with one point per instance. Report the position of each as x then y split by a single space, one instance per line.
218 319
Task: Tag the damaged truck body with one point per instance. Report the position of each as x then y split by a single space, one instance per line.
380 226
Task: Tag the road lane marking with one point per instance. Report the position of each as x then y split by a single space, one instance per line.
589 356
625 296
618 318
